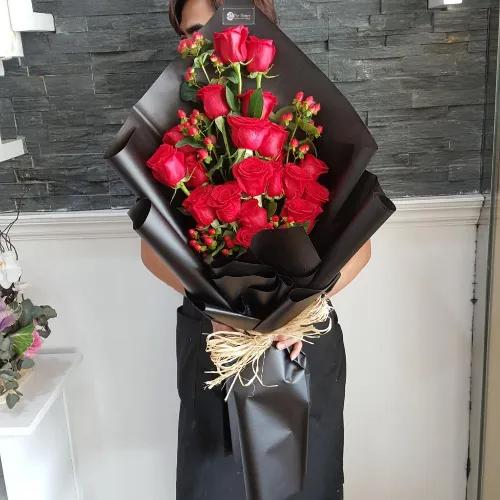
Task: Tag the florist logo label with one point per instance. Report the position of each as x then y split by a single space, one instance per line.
238 15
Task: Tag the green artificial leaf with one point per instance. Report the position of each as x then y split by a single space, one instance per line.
11 385
256 104
5 345
234 103
22 339
45 332
43 313
6 373
27 363
188 141
188 93
27 313
12 400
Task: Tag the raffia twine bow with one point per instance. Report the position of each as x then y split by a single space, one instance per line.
232 351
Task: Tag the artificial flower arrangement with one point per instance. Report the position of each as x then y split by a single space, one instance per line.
242 165
23 325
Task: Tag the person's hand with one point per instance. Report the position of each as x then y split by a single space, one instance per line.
283 342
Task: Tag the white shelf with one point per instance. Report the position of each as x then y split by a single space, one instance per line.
40 391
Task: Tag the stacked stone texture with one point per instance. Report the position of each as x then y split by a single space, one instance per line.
417 77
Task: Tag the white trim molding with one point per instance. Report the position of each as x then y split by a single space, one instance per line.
423 212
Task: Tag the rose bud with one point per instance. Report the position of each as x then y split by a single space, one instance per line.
167 165
196 172
252 215
225 199
301 211
230 44
313 166
295 179
286 118
245 235
298 97
270 101
294 143
197 204
247 133
275 183
260 54
214 101
274 142
252 175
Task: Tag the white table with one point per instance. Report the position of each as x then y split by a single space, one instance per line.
35 438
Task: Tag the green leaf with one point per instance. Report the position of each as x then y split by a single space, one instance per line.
22 339
188 93
216 167
27 313
27 363
12 400
5 345
271 208
232 76
11 384
219 123
199 61
256 104
188 141
231 100
278 114
307 126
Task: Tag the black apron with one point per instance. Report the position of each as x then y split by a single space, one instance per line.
206 468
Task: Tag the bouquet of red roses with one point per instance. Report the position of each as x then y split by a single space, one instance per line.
256 207
242 165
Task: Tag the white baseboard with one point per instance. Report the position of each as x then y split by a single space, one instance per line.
428 211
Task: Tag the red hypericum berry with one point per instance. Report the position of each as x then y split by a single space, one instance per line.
319 129
275 219
209 140
192 130
299 96
189 74
193 234
192 243
304 148
225 252
309 101
197 36
193 120
181 114
195 112
294 143
315 109
270 225
182 46
207 240
211 231
202 154
230 243
286 118
290 220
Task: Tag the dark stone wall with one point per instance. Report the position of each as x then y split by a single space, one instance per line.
417 78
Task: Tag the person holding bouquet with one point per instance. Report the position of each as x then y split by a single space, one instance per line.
205 467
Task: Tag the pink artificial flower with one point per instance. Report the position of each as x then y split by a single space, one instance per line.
35 345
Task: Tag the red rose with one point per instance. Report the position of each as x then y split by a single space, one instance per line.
196 171
314 166
274 142
245 235
252 175
304 211
167 165
251 215
247 133
275 183
316 192
198 205
226 200
230 44
214 101
260 54
295 179
173 136
270 101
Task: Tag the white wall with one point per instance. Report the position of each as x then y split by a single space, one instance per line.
407 328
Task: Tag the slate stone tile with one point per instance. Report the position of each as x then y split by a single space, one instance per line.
13 67
11 190
35 43
388 117
347 7
145 38
307 30
62 161
126 201
72 186
384 161
345 25
7 175
7 120
118 188
127 22
134 84
6 105
29 119
71 24
393 6
69 84
9 133
22 86
69 43
21 104
460 20
98 7
108 41
413 22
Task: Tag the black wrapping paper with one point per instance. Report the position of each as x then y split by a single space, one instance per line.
268 286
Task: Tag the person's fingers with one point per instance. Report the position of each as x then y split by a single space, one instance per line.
296 350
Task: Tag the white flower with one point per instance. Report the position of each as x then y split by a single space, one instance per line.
10 270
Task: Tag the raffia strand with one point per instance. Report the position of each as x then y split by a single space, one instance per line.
232 351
